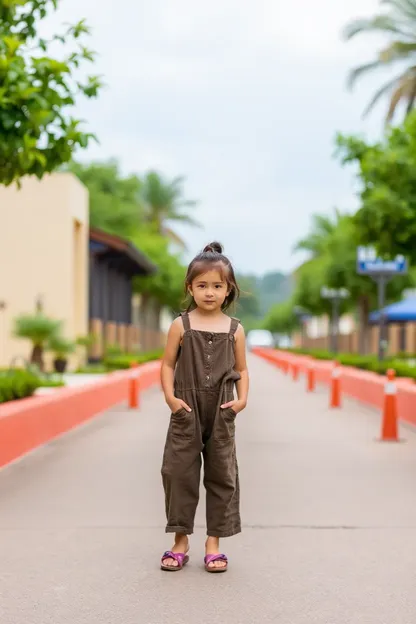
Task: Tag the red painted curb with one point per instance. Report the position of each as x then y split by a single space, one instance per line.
362 385
28 423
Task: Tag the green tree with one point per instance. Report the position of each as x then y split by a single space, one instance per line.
166 287
120 205
164 202
387 188
399 25
323 227
281 318
335 266
115 201
37 91
325 265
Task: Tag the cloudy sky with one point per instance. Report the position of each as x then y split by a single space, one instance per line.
243 98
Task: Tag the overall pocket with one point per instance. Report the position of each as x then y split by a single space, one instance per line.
182 424
225 424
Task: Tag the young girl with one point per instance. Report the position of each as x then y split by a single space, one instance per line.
203 361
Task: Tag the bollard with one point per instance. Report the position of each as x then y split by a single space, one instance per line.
389 427
134 386
295 371
310 379
335 395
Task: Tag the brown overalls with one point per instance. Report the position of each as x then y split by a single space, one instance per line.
204 379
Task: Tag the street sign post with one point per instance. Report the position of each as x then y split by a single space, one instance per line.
381 271
335 295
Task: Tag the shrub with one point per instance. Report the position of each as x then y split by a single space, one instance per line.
86 341
363 362
119 362
60 346
112 351
38 329
91 369
17 384
51 383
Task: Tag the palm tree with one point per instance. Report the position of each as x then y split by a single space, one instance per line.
163 202
323 228
38 329
332 241
399 22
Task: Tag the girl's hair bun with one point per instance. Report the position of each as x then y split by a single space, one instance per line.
214 248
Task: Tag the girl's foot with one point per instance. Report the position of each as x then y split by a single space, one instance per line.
181 546
212 547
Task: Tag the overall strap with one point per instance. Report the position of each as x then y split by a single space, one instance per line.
185 320
234 325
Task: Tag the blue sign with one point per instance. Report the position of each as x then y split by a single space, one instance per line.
369 264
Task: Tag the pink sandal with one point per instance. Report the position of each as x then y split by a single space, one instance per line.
210 558
181 558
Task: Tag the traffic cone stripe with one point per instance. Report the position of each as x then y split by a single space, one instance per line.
336 373
390 388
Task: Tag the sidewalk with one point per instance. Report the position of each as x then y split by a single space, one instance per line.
329 521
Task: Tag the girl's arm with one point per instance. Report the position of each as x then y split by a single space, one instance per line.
240 367
167 370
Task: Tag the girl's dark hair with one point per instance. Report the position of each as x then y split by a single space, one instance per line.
212 257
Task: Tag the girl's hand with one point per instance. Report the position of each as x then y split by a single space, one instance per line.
237 405
177 404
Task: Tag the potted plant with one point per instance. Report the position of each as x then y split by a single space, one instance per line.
61 348
38 329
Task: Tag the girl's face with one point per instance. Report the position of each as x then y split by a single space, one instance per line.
209 290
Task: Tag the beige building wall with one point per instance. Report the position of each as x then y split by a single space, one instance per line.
44 233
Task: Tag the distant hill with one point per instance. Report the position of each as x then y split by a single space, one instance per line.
273 288
260 293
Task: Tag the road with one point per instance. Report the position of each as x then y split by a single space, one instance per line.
329 521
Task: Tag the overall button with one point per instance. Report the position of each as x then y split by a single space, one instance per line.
210 342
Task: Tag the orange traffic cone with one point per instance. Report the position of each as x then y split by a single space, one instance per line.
134 387
335 395
310 379
389 428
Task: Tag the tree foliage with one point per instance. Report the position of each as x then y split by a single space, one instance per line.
332 243
335 266
281 318
119 205
115 201
167 285
163 202
398 24
37 91
386 173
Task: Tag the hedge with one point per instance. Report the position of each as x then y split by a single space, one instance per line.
119 362
17 384
364 362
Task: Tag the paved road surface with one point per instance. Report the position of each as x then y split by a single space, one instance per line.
329 522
